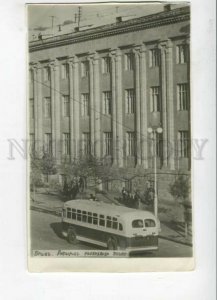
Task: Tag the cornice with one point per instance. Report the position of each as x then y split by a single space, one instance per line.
146 22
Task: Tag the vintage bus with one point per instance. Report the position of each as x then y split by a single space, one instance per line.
110 226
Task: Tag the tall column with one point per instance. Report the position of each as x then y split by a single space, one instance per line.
53 115
96 92
76 107
57 110
92 106
38 109
170 104
138 108
71 107
119 107
114 111
144 105
164 103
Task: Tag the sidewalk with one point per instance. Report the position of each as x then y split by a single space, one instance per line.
172 230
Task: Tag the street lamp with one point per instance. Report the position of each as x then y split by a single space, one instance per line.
155 130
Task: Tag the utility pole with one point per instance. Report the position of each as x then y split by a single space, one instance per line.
79 15
52 23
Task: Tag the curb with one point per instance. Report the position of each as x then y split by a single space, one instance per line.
46 210
178 242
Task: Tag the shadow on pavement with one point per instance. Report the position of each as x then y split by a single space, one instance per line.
57 228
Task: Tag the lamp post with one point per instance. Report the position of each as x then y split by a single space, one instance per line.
154 131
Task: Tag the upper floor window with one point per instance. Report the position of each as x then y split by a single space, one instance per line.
130 101
106 103
86 143
64 71
84 68
66 105
107 141
154 57
183 143
85 105
106 65
182 96
130 144
155 101
129 61
31 108
48 143
66 143
46 74
47 107
181 54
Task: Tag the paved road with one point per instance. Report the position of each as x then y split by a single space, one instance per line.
46 235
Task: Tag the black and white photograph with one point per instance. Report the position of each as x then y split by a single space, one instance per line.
109 128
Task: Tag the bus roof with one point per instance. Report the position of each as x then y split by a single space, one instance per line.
107 208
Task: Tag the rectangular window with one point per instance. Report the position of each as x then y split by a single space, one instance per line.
85 105
183 143
155 100
47 107
69 213
129 61
86 143
95 219
106 103
78 215
89 217
109 222
64 71
181 54
84 68
74 214
107 143
101 220
66 107
182 97
48 143
106 65
31 108
84 216
154 58
46 74
66 143
130 144
130 101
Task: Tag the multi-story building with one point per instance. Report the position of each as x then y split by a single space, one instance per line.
99 90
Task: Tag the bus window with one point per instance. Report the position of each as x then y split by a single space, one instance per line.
69 213
84 216
95 219
120 227
78 215
149 223
64 213
101 220
137 223
74 214
89 218
115 223
109 222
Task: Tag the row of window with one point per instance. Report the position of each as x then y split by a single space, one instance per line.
183 143
129 63
155 102
93 218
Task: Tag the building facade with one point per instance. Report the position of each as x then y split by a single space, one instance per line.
97 91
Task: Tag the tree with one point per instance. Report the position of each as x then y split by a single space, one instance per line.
48 165
180 190
35 172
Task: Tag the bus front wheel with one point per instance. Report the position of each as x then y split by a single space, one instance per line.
112 244
71 236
